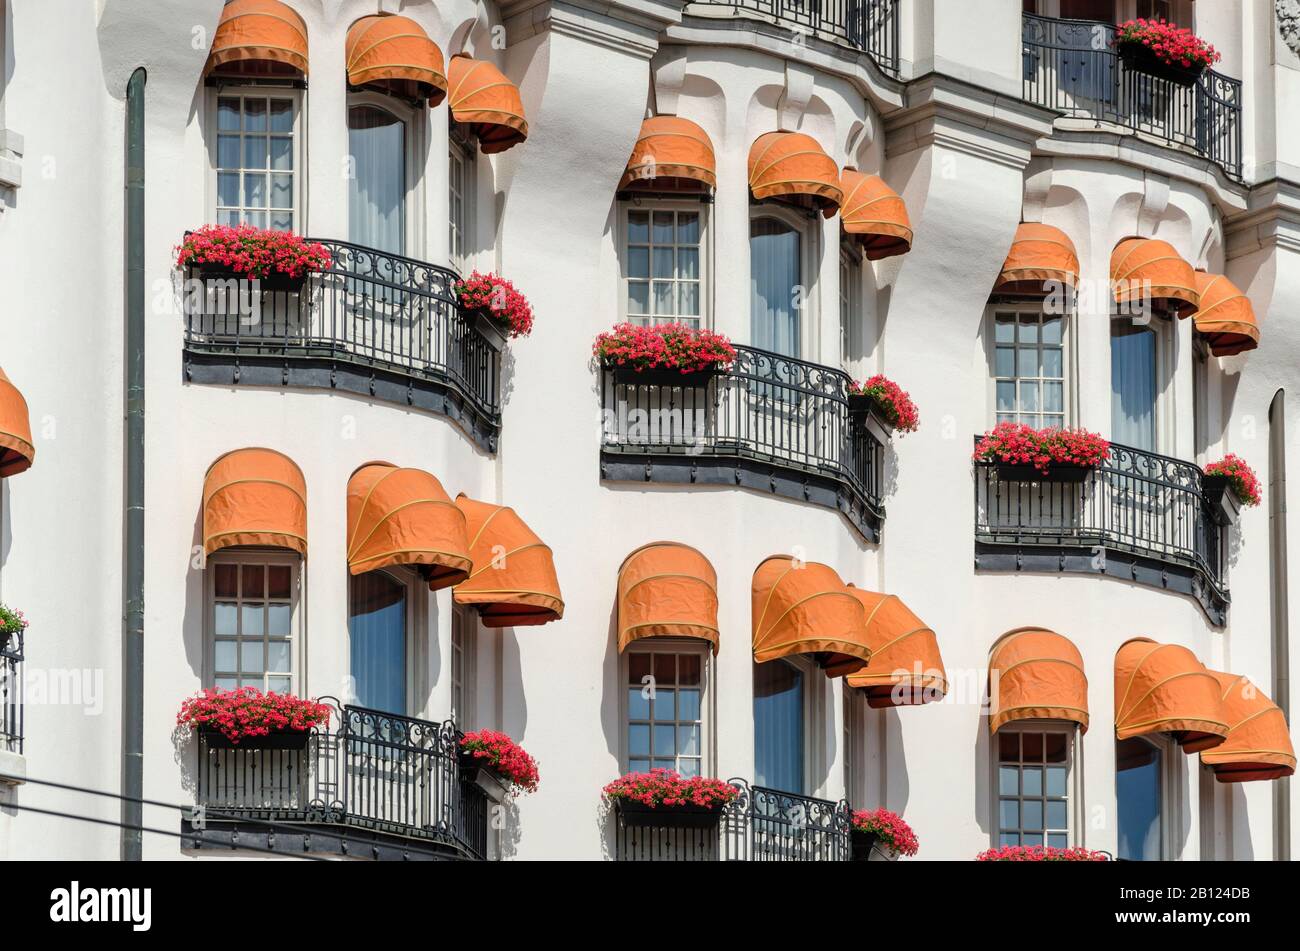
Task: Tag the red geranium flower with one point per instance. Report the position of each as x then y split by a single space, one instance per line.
889 827
505 756
1039 853
499 299
672 346
893 401
254 252
1018 444
1241 476
1173 45
249 712
668 788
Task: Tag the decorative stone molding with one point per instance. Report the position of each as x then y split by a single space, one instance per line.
1288 23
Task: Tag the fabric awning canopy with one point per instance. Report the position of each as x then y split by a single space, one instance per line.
670 153
667 589
1147 268
1163 688
792 166
1258 746
513 581
404 517
254 497
905 667
394 55
1040 256
1036 674
259 31
874 215
481 97
805 608
1226 318
16 449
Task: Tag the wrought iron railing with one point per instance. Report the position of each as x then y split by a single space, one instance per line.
11 692
1137 503
377 323
871 26
760 825
1073 67
368 770
786 419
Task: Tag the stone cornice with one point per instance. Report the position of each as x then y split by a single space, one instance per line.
631 26
1271 221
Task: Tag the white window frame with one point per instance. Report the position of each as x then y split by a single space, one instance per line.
1073 779
269 91
463 154
671 645
1068 352
855 745
417 130
652 204
807 223
297 637
1170 799
464 667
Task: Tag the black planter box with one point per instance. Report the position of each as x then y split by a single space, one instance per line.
275 281
287 740
637 815
867 847
1008 472
489 329
1141 59
1221 499
660 377
868 414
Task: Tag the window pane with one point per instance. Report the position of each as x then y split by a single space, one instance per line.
1053 365
277 620
225 656
227 151
638 706
638 262
664 706
639 766
663 262
253 581
690 299
775 275
688 767
638 739
1027 361
664 299
1056 814
252 618
638 227
281 115
226 581
1028 330
779 726
279 684
377 641
1058 840
1005 362
282 191
688 263
688 670
688 227
1032 813
251 655
254 115
1054 397
278 656
1004 330
228 188
638 668
1029 397
663 227
1052 330
282 220
282 153
255 218
1008 781
1010 814
1006 396
225 618
1056 746
665 740
1033 839
1009 746
1033 747
228 115
688 705
638 297
254 190
1056 776
1032 777
279 578
226 683
1009 839
688 740
1137 788
255 151
1133 385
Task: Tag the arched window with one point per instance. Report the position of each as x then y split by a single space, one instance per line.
377 186
776 284
377 632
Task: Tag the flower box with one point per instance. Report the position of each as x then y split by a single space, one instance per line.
883 407
1221 499
485 778
275 740
1142 59
1060 472
868 414
275 281
869 847
662 376
496 764
490 330
637 815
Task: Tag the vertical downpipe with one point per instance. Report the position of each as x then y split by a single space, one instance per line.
133 515
1277 543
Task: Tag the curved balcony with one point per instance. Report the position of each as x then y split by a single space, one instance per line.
870 26
373 324
1140 516
771 423
1072 66
369 785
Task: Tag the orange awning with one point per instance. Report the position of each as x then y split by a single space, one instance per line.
394 55
254 497
667 589
875 215
793 166
1259 742
1040 255
805 608
403 517
1163 688
16 449
1036 674
259 31
1226 318
482 98
1143 268
513 581
905 666
670 153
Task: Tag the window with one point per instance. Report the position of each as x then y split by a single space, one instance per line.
253 600
459 203
1200 399
1029 379
377 143
464 649
377 635
1100 10
855 745
850 292
663 264
776 284
1033 782
665 690
1133 386
780 725
256 159
1140 796
1155 9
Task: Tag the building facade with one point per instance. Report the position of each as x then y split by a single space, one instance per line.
946 193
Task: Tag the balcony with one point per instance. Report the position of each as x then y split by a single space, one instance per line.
375 324
759 825
1140 516
1070 66
371 785
11 693
771 423
870 26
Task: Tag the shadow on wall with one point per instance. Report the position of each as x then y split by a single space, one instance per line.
894 759
983 792
610 721
6 535
192 615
